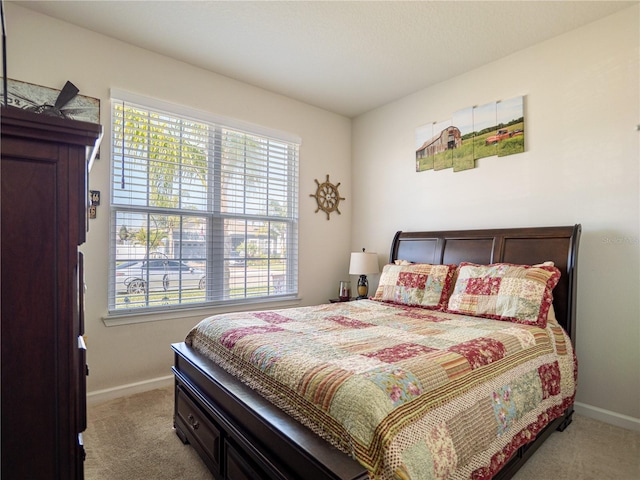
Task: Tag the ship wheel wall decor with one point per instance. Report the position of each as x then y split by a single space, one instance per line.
328 197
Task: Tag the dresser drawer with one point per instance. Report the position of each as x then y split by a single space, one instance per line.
200 430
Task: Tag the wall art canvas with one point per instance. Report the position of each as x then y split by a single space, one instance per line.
485 121
463 153
443 144
496 128
424 157
510 128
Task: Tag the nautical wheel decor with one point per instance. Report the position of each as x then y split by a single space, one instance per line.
328 197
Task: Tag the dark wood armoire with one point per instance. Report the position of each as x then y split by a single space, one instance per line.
44 203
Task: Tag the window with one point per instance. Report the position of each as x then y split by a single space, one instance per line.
203 211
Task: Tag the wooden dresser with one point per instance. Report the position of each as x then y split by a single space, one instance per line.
44 203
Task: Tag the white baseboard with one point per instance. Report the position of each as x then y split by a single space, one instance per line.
100 396
607 416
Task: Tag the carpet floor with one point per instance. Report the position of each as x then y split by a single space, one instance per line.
132 438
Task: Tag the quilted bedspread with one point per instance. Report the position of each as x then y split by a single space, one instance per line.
410 393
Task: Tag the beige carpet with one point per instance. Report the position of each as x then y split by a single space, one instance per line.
132 438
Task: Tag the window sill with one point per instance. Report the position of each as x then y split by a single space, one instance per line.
198 313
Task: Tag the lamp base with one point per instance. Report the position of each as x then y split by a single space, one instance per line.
363 287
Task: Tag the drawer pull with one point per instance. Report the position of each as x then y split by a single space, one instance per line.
194 423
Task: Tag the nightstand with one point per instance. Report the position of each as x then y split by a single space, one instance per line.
337 300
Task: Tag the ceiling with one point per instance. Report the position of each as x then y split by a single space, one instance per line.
347 57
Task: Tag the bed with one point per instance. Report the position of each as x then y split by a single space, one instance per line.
248 430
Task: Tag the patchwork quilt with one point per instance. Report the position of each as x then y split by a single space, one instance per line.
410 393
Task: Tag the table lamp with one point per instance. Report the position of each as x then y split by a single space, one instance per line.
363 263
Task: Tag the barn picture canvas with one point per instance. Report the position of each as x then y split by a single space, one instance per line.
495 128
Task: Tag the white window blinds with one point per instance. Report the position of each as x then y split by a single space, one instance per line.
203 210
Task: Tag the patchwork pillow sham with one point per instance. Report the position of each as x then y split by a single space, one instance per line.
416 284
503 291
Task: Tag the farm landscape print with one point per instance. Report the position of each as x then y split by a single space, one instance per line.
496 128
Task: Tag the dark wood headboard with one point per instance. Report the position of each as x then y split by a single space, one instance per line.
524 246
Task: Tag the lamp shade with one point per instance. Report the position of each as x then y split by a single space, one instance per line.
363 263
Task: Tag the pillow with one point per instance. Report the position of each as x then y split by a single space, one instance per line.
402 262
545 264
514 293
416 284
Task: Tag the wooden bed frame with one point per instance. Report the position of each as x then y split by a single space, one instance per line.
240 435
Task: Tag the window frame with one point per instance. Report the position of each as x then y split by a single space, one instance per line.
215 217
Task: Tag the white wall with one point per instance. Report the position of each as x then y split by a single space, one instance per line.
580 166
48 52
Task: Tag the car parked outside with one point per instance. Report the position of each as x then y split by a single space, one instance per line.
158 274
236 258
